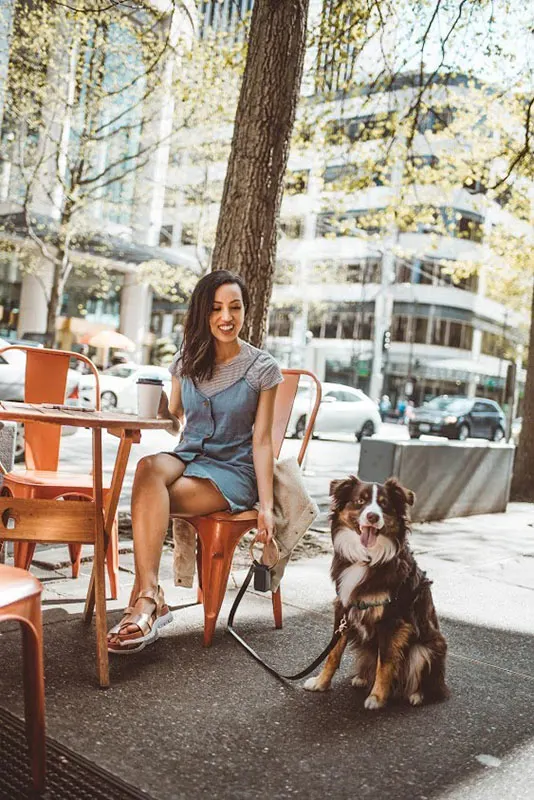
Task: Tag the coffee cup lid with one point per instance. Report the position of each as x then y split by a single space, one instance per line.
151 381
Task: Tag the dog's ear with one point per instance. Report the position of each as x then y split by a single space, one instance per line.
405 496
341 491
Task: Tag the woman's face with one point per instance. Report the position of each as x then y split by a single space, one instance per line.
228 313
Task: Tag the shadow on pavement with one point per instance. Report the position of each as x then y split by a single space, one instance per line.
182 721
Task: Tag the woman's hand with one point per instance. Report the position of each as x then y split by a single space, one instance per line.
164 412
265 526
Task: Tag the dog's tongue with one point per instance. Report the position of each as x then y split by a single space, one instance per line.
368 534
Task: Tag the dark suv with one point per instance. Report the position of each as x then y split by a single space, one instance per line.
458 418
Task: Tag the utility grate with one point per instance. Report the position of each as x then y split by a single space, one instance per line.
69 775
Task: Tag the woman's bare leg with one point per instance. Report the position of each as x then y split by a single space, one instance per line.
158 487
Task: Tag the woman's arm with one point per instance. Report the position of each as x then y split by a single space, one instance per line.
173 409
262 451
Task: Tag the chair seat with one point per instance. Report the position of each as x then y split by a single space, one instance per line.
222 516
43 477
16 584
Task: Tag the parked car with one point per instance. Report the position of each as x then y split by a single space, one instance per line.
342 410
118 386
459 418
12 372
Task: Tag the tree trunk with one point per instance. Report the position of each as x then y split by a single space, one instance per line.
523 478
56 291
247 227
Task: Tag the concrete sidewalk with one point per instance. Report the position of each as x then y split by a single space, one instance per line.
183 722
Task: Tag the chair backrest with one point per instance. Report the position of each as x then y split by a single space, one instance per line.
285 397
45 381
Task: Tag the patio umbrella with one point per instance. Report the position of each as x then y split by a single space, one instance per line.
112 340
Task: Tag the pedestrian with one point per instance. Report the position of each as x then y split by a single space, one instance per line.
222 401
384 406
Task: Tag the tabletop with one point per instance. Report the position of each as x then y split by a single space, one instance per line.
78 417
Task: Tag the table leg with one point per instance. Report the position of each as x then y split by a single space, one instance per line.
98 565
112 501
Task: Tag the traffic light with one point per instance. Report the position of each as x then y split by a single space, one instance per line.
386 340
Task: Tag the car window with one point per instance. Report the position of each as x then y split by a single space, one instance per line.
153 372
350 397
335 395
2 360
456 405
119 371
479 406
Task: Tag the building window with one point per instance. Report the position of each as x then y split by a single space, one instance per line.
400 328
189 233
353 177
165 235
368 128
348 223
435 119
280 322
296 181
420 327
292 227
439 331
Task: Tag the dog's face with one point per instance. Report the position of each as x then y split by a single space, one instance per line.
376 513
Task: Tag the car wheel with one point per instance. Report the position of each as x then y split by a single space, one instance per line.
367 429
108 401
498 434
463 432
415 435
300 428
19 444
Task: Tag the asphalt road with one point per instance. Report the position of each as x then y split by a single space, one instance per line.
325 459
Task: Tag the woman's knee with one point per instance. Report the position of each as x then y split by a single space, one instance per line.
158 466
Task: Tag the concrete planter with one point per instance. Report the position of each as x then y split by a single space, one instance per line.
450 479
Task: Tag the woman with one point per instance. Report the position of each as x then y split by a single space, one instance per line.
222 398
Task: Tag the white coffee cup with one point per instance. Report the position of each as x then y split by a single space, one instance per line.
148 396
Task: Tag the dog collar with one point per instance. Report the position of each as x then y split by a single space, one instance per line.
362 605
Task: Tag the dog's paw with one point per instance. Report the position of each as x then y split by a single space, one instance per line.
316 685
416 699
358 682
372 703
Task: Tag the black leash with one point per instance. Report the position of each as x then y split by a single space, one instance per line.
338 633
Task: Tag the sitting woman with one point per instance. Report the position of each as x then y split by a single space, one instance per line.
222 397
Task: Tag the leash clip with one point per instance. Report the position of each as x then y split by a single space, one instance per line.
343 625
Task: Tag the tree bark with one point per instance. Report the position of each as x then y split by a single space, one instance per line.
523 477
247 228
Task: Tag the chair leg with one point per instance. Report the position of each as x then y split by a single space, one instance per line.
23 554
218 545
277 608
34 710
112 559
75 553
200 593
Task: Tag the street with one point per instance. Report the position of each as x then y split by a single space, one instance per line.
325 459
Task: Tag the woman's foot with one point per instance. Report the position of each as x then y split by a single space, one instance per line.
140 624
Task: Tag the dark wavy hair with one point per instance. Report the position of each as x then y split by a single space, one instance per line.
198 347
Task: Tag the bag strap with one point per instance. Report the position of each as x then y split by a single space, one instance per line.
338 633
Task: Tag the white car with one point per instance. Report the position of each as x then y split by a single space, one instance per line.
342 410
118 386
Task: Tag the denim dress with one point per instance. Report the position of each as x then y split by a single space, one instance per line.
217 443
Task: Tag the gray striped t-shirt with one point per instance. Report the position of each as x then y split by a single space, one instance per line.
263 374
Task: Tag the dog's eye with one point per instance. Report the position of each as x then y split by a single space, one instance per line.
361 501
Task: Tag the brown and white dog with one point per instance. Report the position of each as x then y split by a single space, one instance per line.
386 599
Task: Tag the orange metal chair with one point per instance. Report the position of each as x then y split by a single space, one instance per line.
20 600
46 382
220 533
